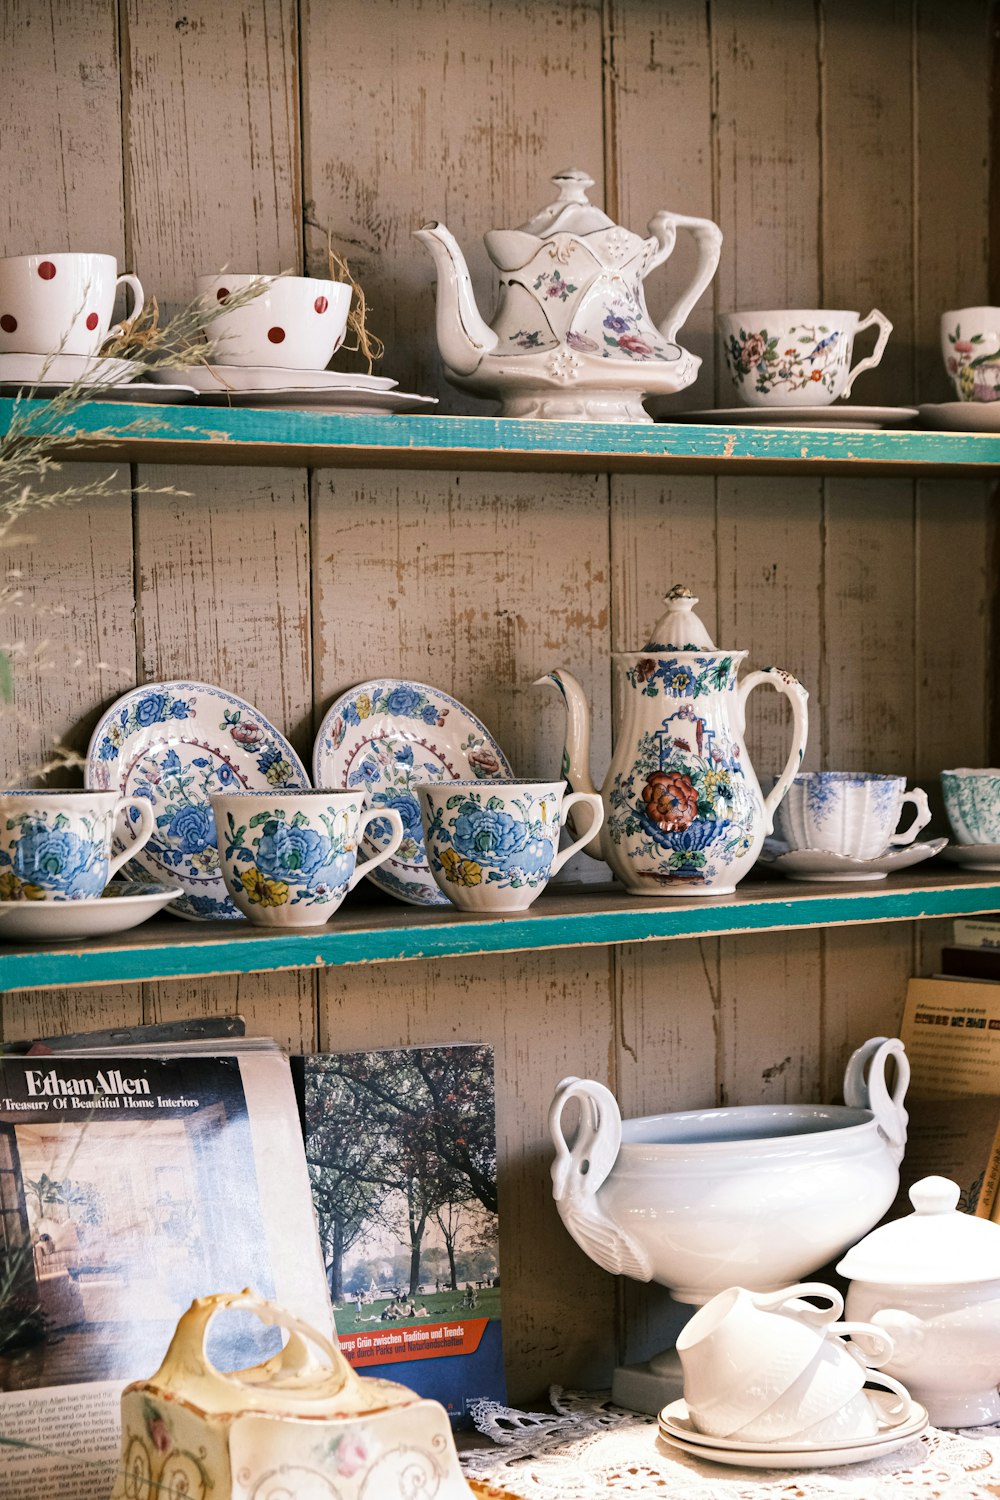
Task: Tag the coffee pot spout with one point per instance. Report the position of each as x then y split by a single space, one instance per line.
576 754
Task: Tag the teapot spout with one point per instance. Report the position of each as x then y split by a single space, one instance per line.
463 336
576 754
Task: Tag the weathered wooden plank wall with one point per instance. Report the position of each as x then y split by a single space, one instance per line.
824 139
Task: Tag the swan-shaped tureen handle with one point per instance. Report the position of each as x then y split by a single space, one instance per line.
865 1088
581 1167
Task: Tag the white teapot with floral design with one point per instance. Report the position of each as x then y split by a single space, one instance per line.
684 815
571 338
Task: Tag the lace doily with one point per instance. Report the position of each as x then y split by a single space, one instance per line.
587 1449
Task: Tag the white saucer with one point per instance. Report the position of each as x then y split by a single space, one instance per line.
65 369
974 856
818 864
962 416
140 392
121 905
801 416
675 1428
212 379
347 400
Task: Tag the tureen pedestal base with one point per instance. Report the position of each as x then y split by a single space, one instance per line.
649 1386
547 405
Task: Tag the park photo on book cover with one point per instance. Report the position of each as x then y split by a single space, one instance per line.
127 1188
401 1147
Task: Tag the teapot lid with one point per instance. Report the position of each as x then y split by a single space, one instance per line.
680 628
934 1246
572 212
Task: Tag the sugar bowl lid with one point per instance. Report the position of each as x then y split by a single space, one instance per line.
934 1246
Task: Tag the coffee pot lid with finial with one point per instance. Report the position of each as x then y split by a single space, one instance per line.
679 629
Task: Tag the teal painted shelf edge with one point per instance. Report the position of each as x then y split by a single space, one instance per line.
138 426
165 950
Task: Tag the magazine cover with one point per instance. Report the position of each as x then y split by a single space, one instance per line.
401 1147
129 1185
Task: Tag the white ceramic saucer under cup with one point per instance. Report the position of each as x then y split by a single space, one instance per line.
209 379
348 401
66 369
176 743
962 416
139 392
974 856
819 865
675 1428
834 415
121 905
387 734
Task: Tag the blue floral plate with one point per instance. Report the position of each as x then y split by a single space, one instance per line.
177 743
386 735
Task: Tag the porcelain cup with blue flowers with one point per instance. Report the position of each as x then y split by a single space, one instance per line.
290 858
493 846
55 845
851 813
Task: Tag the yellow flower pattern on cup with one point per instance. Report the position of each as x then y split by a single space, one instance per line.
12 889
264 892
460 871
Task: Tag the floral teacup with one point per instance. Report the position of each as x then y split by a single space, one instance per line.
289 858
970 344
799 356
494 846
56 845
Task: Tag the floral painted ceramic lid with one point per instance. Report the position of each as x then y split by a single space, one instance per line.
934 1246
680 628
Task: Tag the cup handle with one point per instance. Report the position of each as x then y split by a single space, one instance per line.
885 328
816 1317
592 800
919 799
902 1410
372 862
138 303
147 827
871 1345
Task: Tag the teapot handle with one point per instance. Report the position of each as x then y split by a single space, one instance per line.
861 1092
782 682
708 240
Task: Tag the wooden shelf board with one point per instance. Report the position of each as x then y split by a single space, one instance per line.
120 432
168 949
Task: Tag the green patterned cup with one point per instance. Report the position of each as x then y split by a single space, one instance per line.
972 802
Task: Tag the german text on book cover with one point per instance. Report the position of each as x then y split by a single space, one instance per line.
401 1147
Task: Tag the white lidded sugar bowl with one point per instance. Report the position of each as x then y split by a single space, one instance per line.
294 1425
702 1200
932 1281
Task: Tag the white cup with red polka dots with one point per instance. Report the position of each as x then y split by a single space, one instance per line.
294 323
61 303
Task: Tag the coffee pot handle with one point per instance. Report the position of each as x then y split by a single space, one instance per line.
708 242
583 1164
798 697
869 1091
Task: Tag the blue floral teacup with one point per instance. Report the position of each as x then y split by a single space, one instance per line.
289 858
851 813
494 845
56 845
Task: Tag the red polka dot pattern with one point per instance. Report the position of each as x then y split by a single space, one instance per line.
222 294
92 321
8 323
276 335
321 304
46 270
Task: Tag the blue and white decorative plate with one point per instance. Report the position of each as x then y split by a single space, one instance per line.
177 743
387 735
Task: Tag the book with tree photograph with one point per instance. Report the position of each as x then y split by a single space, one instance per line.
401 1147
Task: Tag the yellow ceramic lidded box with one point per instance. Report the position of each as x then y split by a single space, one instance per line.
292 1426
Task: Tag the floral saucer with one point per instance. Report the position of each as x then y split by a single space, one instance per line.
387 734
818 864
177 743
974 856
121 905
